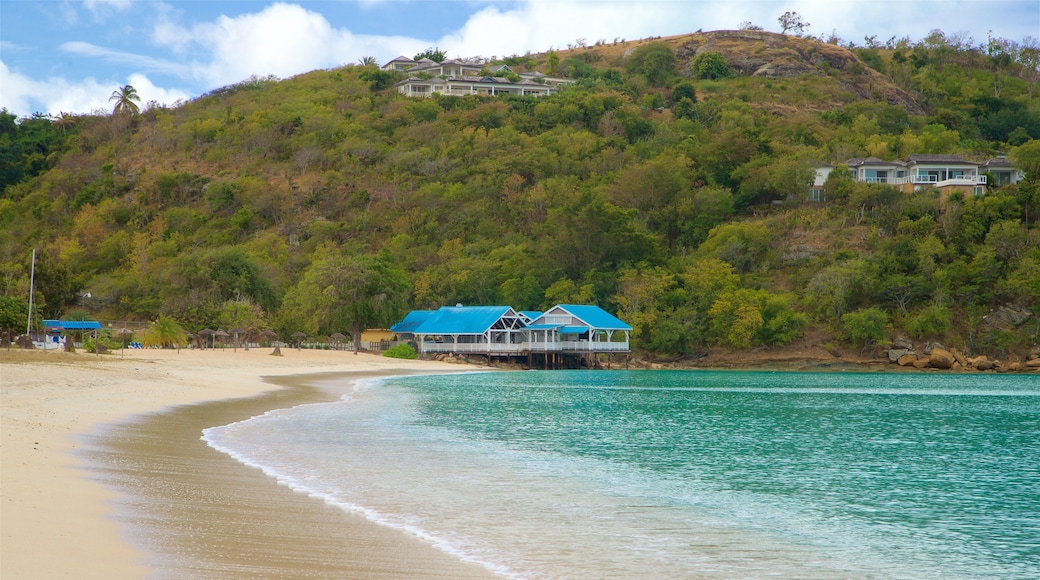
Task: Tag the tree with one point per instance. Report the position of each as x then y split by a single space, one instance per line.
14 312
352 292
63 121
165 332
866 325
126 99
710 65
552 63
748 25
367 61
433 53
792 21
656 61
1027 158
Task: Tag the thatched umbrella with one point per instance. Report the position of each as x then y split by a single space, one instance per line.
222 335
267 335
337 338
204 333
299 336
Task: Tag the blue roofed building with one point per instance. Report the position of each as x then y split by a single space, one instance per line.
492 330
578 328
502 331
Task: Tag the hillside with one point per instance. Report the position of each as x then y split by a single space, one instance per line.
668 184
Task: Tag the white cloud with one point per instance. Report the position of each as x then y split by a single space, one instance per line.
137 60
282 39
23 95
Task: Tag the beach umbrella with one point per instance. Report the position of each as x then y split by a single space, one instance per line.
207 332
268 335
299 336
222 335
337 338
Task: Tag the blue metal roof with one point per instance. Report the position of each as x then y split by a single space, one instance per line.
595 317
574 329
462 319
530 314
542 326
73 324
411 321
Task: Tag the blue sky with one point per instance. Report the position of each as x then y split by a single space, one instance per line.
64 55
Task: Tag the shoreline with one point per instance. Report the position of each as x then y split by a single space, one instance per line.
61 519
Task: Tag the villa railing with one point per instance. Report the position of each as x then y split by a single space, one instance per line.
962 180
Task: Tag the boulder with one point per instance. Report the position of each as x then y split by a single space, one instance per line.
902 343
985 365
895 353
941 359
907 360
1033 364
957 356
921 363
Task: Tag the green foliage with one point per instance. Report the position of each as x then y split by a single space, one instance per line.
929 322
866 326
14 312
165 332
404 351
433 53
654 60
710 65
237 208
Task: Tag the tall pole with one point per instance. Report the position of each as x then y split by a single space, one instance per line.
32 290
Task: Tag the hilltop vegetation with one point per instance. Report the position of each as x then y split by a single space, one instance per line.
667 185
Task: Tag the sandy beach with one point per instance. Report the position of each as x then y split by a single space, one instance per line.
58 517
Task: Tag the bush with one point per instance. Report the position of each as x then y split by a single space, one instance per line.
401 351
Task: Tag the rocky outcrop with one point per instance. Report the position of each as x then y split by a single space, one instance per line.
936 356
771 55
1007 317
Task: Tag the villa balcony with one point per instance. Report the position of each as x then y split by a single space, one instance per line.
936 181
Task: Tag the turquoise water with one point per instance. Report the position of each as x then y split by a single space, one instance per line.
681 474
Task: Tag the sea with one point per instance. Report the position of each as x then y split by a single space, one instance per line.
680 474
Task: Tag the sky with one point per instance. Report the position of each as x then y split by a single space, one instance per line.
69 56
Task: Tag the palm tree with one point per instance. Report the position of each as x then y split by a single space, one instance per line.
367 61
124 97
63 121
165 332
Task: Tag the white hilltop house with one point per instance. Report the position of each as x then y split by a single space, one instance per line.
947 173
459 77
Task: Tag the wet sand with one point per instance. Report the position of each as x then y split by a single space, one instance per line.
103 473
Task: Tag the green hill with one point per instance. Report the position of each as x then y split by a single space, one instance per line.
669 184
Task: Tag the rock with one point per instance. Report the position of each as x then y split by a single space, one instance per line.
1007 317
1033 363
921 363
941 359
902 343
957 356
895 353
907 360
1015 367
985 365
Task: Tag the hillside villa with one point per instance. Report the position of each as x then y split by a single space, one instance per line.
459 77
565 330
947 173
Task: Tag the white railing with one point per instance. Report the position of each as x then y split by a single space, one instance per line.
962 180
524 347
